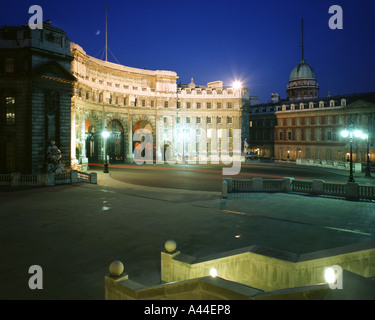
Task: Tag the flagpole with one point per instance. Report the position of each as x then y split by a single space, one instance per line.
106 37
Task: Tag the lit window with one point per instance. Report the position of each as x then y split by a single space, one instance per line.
10 111
219 133
9 65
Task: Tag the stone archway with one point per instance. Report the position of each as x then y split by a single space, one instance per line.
92 147
115 143
144 125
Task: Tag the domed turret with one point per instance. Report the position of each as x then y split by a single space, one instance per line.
302 81
302 71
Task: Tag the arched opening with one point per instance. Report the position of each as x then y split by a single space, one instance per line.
145 125
166 151
115 143
91 141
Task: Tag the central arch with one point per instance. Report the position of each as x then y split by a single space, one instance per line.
91 141
116 142
143 125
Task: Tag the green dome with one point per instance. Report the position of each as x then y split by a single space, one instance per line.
302 71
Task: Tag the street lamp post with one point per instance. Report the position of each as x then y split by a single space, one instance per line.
352 133
184 135
351 178
105 135
368 164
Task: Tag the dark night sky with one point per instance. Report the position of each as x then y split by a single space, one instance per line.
258 42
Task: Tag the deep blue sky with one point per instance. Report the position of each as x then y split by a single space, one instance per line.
258 42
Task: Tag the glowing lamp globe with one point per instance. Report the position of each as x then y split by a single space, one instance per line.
345 133
105 134
237 85
357 133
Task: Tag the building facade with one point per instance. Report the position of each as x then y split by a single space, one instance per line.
311 129
306 126
184 120
36 87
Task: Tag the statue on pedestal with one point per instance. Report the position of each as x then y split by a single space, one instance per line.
54 156
246 147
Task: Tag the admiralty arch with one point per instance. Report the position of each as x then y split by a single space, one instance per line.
123 100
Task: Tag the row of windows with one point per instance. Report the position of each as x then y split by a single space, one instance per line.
117 100
307 136
189 91
297 136
207 105
301 106
317 154
311 121
209 133
198 120
356 119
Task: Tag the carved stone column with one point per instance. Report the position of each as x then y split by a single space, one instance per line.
129 155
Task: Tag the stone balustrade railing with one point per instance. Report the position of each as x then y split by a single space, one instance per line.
349 190
46 179
357 167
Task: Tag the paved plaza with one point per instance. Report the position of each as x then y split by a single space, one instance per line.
75 231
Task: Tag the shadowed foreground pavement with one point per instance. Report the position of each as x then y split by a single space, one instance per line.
74 232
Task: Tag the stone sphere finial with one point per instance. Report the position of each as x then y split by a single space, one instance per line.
116 268
170 245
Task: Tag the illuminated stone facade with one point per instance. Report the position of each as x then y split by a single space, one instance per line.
310 129
36 86
124 99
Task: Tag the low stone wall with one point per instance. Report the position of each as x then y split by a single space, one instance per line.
46 179
269 269
349 190
206 288
252 273
357 167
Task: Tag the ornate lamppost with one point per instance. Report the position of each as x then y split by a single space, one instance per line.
352 133
368 164
105 135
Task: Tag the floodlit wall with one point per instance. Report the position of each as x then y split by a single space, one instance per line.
270 269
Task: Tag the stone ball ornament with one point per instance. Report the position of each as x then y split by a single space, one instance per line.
116 268
170 245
